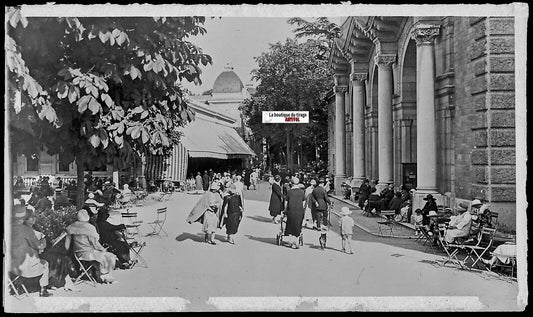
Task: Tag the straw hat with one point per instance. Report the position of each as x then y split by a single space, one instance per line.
345 211
432 213
215 185
476 202
295 180
83 215
313 182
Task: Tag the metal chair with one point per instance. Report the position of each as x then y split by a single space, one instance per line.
158 223
451 249
14 283
131 221
482 247
136 247
85 268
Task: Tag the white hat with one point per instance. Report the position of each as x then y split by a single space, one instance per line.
476 202
432 213
295 180
345 211
91 196
215 185
83 215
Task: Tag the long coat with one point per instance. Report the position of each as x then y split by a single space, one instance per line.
276 200
25 252
295 211
319 195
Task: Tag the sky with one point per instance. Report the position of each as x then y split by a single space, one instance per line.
236 40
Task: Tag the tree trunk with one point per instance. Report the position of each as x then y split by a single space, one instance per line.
80 195
289 150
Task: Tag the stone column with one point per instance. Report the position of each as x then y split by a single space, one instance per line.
426 137
358 134
385 155
340 136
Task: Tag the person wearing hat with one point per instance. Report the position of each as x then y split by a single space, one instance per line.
320 202
43 204
232 212
433 226
309 215
346 224
459 225
276 203
109 235
85 242
294 211
60 201
210 201
110 193
24 251
430 205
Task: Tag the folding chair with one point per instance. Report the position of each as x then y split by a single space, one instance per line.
14 284
85 268
484 243
451 249
427 238
157 225
131 222
385 226
135 247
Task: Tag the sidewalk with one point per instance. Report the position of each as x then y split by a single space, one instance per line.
370 224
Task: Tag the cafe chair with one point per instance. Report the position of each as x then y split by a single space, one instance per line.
16 285
482 247
85 271
158 223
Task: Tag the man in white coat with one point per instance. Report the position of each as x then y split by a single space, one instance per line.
459 225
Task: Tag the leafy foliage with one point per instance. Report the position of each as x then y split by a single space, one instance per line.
110 86
321 29
291 79
53 222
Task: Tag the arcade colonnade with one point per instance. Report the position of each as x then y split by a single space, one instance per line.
406 88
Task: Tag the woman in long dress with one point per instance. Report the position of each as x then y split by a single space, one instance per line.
295 212
276 199
86 245
232 209
211 201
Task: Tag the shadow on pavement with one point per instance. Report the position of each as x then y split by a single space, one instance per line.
189 236
260 218
261 239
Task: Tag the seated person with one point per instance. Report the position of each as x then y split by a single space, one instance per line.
432 228
127 194
386 196
84 239
60 265
396 203
61 200
24 251
459 225
109 236
374 201
43 204
347 190
418 221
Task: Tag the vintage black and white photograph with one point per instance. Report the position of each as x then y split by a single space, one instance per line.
335 157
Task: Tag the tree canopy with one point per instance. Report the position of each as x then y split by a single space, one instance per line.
320 29
290 78
100 90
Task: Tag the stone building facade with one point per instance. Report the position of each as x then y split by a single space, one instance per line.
428 102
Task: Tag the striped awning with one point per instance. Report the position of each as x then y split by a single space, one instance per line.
204 138
173 167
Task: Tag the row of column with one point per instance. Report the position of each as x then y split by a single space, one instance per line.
424 35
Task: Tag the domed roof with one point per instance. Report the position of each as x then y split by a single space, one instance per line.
228 82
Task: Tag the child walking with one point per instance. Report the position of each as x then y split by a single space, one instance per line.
418 221
346 223
210 224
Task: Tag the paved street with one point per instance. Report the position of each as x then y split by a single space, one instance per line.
187 274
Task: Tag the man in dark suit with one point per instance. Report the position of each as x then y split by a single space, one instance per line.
319 203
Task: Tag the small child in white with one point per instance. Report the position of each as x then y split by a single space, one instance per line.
346 223
418 221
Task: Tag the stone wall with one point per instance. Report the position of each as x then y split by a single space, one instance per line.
485 134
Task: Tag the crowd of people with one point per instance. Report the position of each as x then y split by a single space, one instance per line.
92 238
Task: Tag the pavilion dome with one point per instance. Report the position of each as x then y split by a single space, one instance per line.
228 82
